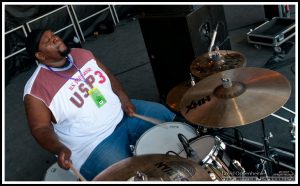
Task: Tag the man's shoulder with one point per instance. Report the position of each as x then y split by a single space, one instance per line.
81 56
79 50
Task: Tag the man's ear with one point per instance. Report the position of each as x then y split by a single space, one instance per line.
40 56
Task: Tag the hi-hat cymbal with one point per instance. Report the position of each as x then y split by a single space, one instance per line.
204 65
154 167
251 94
176 93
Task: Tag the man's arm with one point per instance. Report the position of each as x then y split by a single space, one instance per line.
127 106
39 120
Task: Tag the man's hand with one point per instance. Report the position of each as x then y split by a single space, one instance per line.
64 158
128 108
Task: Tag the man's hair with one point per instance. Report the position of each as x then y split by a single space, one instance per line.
32 42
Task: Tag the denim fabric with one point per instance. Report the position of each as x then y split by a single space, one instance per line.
117 146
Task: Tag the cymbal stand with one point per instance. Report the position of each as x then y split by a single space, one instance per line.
213 38
268 165
290 121
268 158
263 158
200 130
193 82
259 156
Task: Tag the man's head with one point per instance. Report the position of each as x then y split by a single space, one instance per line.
45 46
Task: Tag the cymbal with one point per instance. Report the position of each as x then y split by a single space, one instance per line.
174 96
205 65
255 93
150 167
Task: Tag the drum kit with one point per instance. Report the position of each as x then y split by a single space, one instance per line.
225 94
230 95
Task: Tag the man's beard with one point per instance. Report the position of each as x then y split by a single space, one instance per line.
65 52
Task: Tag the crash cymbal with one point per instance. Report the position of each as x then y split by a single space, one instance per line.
216 61
176 93
251 94
154 167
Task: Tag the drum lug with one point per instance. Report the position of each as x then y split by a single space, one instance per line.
213 161
139 176
216 163
213 176
238 166
220 143
132 148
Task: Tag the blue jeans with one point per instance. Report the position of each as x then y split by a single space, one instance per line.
117 146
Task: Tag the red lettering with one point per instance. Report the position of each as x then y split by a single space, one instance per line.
102 78
90 80
83 89
72 87
77 102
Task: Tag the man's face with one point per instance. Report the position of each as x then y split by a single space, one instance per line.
52 46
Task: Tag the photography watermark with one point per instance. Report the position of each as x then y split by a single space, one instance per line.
258 176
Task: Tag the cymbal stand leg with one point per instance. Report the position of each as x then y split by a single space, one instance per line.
262 168
290 121
261 157
268 165
237 137
259 151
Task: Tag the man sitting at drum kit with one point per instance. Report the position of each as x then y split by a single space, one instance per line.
75 107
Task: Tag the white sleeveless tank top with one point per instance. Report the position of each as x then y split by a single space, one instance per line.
81 124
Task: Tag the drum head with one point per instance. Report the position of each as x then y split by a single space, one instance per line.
55 173
203 145
163 138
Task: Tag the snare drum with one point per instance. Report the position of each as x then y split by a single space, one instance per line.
55 173
163 138
211 154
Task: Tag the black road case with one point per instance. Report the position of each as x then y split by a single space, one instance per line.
273 32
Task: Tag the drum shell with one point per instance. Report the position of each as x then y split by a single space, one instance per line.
212 155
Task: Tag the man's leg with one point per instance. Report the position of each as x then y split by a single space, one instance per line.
111 150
